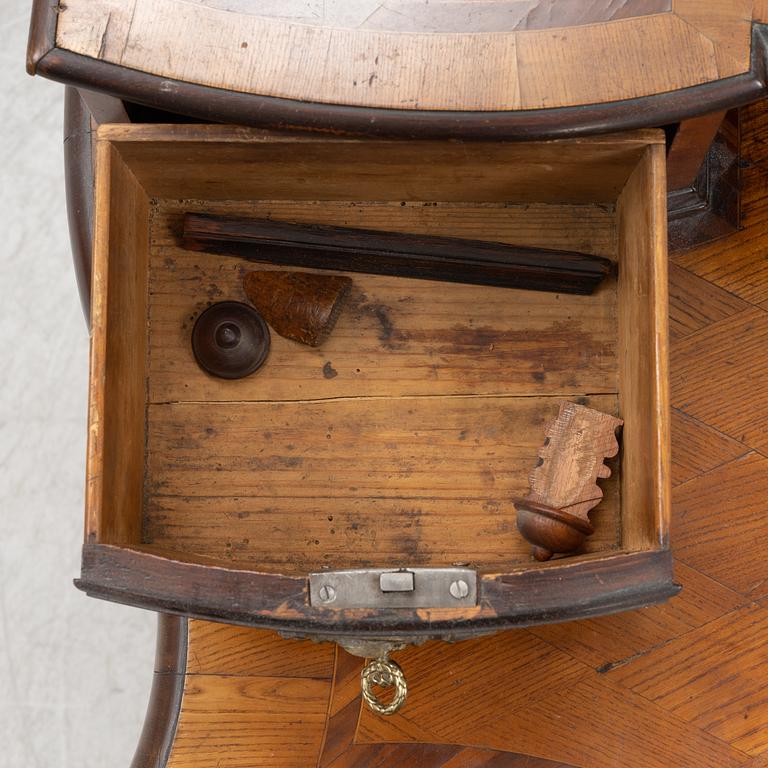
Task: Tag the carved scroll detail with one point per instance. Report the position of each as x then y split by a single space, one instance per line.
554 516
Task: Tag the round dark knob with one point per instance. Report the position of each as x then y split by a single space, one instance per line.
230 340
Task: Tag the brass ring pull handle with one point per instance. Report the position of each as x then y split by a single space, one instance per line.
385 674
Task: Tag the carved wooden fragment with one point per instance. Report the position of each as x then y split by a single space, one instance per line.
299 305
554 516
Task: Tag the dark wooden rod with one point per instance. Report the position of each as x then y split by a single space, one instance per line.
426 257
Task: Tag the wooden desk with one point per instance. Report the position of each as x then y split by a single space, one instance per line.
665 687
675 686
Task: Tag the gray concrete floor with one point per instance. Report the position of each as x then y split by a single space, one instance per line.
74 672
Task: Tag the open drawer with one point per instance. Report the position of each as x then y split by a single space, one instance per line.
400 442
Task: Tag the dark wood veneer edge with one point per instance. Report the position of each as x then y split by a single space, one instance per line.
78 184
220 105
431 257
42 32
161 719
83 109
562 591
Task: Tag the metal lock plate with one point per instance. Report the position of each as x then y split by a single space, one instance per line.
394 588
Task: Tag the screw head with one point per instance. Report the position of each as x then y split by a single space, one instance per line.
459 589
327 593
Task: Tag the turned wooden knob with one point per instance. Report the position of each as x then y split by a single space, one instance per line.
230 340
554 516
550 530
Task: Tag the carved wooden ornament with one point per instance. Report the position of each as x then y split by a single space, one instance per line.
554 516
301 306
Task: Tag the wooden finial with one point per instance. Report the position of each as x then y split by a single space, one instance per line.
299 305
554 516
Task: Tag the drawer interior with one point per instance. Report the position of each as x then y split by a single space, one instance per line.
401 440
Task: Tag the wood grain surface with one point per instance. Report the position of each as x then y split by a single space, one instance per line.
429 386
410 55
442 390
118 355
214 162
671 686
439 473
641 229
395 332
